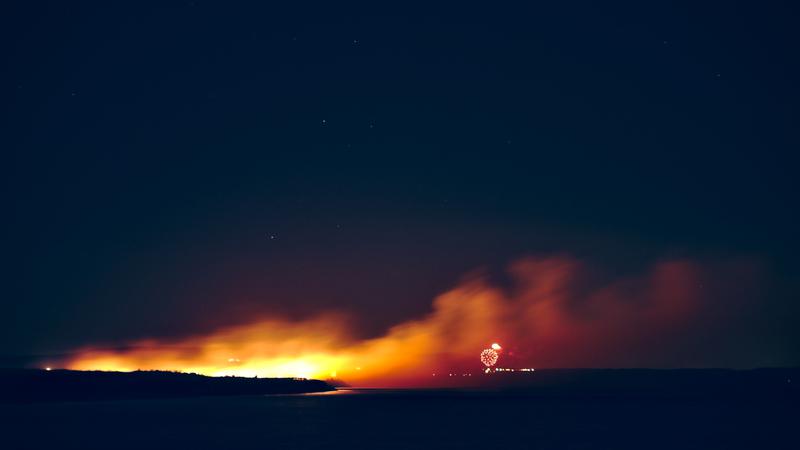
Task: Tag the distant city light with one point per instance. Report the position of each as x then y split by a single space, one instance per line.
48 369
509 369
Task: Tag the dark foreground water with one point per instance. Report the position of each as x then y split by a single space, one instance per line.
388 419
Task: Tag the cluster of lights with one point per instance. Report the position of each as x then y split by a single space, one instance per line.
489 357
504 369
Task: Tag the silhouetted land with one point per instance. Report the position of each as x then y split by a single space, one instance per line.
33 385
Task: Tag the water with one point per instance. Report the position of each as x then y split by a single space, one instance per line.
401 419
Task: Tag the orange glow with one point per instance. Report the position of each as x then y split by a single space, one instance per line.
550 323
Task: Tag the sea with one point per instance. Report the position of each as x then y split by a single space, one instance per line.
404 419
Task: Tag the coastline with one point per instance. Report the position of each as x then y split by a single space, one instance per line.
36 385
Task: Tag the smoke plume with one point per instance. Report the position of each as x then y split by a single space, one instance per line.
554 313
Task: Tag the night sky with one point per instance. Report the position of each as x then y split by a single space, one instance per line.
172 169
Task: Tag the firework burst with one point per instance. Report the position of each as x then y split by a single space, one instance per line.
489 357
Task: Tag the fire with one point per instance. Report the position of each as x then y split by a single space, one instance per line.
272 348
552 322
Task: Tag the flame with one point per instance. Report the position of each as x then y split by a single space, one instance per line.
552 318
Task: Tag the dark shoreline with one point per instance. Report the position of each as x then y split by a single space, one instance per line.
778 384
35 385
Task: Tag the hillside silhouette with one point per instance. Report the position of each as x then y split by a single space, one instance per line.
34 385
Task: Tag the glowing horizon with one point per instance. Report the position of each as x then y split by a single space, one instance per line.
547 323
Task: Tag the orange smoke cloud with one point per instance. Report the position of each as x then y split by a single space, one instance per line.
551 317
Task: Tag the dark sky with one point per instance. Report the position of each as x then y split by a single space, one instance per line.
175 168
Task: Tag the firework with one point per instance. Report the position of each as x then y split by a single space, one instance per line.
489 357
